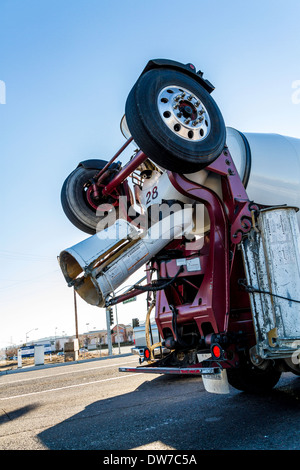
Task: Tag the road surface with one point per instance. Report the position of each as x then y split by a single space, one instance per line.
93 406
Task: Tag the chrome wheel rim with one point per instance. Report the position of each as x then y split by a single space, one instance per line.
183 113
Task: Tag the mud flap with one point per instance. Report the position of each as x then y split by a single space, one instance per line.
216 383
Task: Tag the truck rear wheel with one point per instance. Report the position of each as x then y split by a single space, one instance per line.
251 379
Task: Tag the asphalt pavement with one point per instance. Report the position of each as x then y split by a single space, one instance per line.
92 406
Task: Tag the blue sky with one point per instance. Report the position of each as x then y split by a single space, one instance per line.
68 66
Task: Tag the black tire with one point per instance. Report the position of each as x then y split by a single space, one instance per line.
291 366
192 146
251 379
74 201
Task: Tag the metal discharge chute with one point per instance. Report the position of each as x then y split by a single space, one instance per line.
100 264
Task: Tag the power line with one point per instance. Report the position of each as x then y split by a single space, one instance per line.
27 256
17 282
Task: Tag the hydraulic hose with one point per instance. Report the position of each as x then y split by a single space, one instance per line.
150 346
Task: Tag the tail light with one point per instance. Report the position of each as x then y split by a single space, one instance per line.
216 351
147 354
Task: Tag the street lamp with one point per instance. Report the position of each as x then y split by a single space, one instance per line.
34 329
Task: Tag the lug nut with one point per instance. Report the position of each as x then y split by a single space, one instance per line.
190 97
197 121
187 121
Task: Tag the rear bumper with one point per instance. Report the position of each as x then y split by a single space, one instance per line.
174 370
214 378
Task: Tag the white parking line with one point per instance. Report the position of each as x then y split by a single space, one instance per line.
68 386
64 373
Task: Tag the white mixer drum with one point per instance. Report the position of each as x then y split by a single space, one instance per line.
269 165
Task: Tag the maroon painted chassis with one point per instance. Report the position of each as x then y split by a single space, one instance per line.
218 302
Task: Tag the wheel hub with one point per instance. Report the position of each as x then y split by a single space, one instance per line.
183 113
188 111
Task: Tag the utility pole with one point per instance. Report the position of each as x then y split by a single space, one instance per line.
75 309
109 343
118 329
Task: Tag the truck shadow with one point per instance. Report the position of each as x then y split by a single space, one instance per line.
179 414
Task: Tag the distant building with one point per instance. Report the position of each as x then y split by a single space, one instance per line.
94 339
91 339
125 334
57 342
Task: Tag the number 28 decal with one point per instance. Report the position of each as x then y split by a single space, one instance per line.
151 195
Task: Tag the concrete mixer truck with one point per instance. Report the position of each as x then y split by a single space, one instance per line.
211 215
